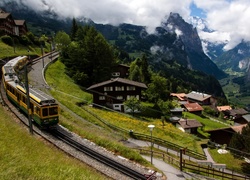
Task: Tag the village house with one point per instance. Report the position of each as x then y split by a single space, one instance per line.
188 125
236 114
9 26
201 98
224 135
114 92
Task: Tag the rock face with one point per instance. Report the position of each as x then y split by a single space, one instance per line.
195 56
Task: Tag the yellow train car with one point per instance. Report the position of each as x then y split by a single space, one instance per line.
44 109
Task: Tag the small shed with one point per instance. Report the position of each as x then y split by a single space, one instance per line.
189 125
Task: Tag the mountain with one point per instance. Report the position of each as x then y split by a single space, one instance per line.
196 57
212 49
174 50
236 59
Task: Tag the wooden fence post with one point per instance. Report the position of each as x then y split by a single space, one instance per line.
181 159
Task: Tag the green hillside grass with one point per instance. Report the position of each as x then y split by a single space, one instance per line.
69 94
23 156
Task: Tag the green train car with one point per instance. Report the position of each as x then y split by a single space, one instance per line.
44 109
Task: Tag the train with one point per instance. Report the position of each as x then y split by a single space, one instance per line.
44 110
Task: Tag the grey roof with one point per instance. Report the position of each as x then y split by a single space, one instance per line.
121 80
246 117
234 112
176 110
198 96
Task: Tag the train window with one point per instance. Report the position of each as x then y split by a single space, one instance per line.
37 110
24 99
53 111
32 107
18 96
45 112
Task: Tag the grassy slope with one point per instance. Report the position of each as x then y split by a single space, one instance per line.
23 156
73 94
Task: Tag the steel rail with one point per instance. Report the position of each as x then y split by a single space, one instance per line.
98 156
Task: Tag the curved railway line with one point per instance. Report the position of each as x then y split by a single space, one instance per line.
110 165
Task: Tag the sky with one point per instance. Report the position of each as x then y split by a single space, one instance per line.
230 19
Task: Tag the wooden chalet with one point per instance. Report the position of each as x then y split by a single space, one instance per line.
194 108
189 125
114 92
235 114
201 98
224 135
7 23
9 26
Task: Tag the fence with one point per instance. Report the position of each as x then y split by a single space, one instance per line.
155 140
203 170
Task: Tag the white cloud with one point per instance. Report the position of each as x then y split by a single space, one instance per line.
230 18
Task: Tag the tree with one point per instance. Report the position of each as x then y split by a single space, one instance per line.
157 89
90 54
133 104
165 106
241 141
139 70
74 29
62 40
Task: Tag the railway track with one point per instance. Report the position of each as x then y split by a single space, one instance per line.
60 136
95 155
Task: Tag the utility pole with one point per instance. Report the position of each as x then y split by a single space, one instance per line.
42 55
28 98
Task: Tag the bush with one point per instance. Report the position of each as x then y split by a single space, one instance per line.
7 40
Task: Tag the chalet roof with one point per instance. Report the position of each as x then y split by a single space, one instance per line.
174 119
4 15
176 110
189 123
198 96
237 128
192 107
246 117
121 80
124 65
223 108
234 112
19 22
180 96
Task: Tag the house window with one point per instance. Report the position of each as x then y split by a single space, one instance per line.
130 88
130 96
116 74
119 97
109 88
119 88
101 97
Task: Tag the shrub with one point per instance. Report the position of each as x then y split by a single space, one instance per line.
7 40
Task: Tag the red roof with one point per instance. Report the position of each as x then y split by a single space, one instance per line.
192 107
180 96
223 108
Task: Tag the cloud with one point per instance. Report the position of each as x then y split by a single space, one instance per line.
140 12
229 18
